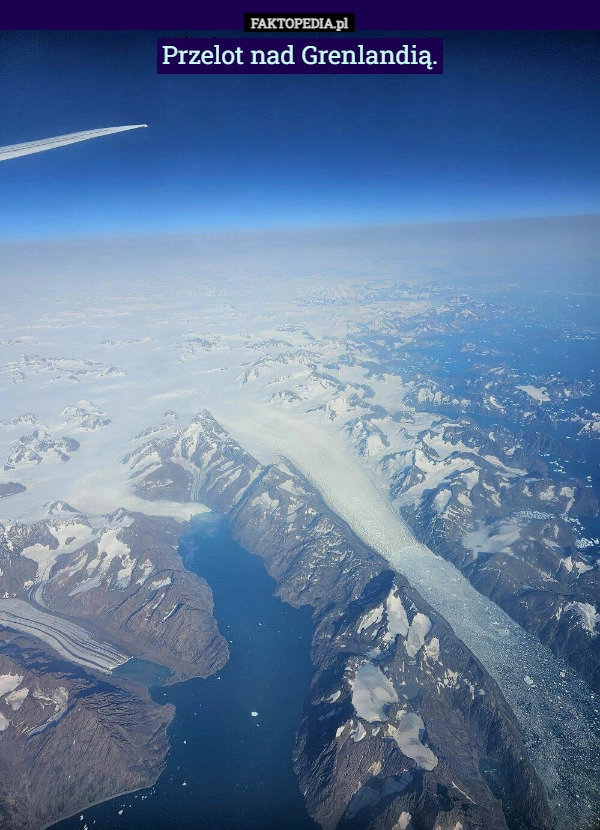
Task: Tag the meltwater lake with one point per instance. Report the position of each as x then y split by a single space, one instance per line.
228 767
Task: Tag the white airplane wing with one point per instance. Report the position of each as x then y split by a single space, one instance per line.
16 150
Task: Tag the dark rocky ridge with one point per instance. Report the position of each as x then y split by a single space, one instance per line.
539 578
143 599
74 740
10 488
350 766
124 580
543 607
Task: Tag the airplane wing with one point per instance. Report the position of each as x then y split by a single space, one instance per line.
15 150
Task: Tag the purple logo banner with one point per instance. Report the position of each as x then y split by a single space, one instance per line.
323 23
243 55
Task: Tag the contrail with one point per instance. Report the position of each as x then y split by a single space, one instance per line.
16 150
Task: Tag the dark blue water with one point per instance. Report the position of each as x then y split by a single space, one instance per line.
227 769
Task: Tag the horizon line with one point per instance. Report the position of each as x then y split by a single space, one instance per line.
282 229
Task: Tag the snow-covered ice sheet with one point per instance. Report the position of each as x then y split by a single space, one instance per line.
121 350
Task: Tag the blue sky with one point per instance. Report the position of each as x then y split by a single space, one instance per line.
510 129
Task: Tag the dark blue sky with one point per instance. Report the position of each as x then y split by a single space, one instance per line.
510 129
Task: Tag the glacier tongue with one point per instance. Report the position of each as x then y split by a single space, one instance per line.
561 720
